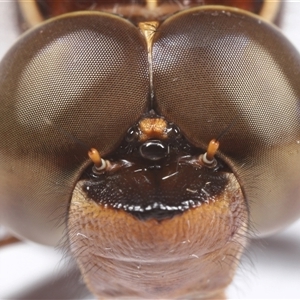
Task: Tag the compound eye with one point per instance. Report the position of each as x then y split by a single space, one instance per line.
229 73
76 82
154 150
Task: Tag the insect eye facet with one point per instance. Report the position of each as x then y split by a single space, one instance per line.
221 72
73 83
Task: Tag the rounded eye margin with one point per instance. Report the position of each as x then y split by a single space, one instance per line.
75 82
91 65
222 73
215 69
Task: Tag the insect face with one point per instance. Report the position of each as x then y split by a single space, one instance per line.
108 125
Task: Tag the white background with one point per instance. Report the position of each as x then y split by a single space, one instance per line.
269 270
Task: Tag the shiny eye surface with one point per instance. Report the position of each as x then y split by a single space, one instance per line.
218 71
74 83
